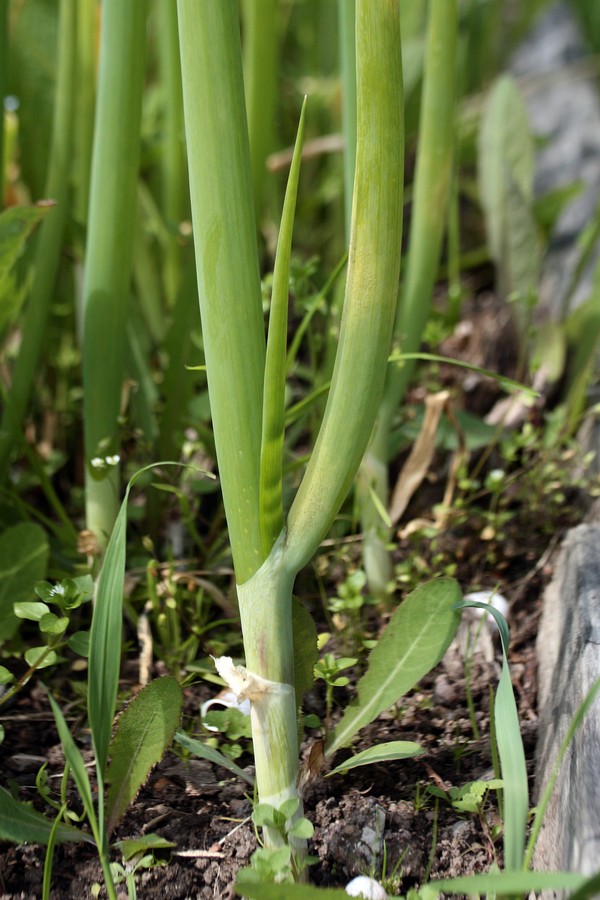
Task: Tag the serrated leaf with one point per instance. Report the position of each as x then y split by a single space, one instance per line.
380 753
414 641
21 824
144 731
23 560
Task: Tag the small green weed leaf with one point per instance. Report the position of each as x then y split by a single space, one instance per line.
266 816
414 641
53 625
67 594
380 753
20 824
40 657
144 731
134 847
23 560
289 807
303 828
31 610
80 643
306 652
206 752
5 676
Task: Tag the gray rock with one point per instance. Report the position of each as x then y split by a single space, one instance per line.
562 98
569 656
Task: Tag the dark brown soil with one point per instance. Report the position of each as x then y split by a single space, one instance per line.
372 813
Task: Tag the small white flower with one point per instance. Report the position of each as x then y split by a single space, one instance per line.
97 462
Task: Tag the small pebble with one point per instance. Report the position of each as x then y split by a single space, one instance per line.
367 888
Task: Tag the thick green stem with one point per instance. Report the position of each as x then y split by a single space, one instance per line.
86 104
226 260
266 614
372 282
346 19
261 54
108 261
173 164
432 181
47 258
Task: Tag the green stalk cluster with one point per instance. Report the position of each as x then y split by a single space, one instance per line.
245 383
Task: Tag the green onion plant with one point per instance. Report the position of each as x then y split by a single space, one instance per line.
246 377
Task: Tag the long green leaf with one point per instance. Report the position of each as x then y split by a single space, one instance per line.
105 640
21 824
77 767
226 260
415 639
510 749
144 731
379 753
273 418
372 282
212 755
508 884
108 262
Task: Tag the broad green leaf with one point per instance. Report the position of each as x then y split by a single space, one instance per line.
40 657
30 609
80 643
414 641
380 753
21 824
53 625
144 731
23 559
136 846
5 675
206 752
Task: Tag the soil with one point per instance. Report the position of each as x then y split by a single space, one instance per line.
376 820
379 819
